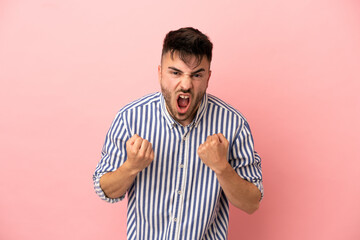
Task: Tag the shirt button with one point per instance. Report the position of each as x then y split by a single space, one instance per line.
181 165
179 192
175 219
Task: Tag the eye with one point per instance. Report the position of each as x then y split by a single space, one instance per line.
197 75
175 73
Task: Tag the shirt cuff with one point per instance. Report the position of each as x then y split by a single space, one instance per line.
101 193
259 185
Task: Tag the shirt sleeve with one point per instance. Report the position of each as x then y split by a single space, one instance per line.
244 159
113 155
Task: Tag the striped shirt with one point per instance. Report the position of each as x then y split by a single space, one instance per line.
177 196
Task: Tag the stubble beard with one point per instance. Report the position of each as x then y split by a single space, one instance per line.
173 112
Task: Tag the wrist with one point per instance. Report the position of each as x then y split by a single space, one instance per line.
128 168
223 169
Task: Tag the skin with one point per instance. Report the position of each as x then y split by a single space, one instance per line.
241 193
189 80
140 155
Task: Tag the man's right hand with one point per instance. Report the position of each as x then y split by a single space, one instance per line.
139 153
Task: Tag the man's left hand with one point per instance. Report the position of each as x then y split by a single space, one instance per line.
213 152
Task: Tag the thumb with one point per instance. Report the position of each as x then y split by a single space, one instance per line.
132 140
222 139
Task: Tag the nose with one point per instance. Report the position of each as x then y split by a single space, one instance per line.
186 82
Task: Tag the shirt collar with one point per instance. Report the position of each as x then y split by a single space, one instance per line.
199 114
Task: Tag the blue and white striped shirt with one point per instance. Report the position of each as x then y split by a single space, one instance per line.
177 196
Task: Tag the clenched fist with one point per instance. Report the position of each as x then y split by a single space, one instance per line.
139 153
213 152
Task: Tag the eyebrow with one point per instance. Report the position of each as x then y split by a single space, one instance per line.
197 71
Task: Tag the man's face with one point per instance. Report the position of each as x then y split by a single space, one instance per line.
183 85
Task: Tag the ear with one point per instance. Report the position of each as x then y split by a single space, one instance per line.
207 84
159 73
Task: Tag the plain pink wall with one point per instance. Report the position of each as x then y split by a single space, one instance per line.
291 67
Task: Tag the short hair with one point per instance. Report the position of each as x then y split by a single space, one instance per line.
188 42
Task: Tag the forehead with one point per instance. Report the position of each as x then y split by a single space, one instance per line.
190 62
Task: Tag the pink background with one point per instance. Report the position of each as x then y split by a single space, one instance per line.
291 67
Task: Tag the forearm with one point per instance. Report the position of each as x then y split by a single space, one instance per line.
241 193
140 155
116 183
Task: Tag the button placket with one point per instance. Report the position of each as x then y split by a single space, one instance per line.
182 176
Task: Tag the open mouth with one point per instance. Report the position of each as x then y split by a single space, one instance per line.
183 103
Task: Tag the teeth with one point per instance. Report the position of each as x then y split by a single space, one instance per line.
185 97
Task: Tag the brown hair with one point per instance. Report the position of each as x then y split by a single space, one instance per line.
188 42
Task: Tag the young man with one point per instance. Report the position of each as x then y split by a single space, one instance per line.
181 154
